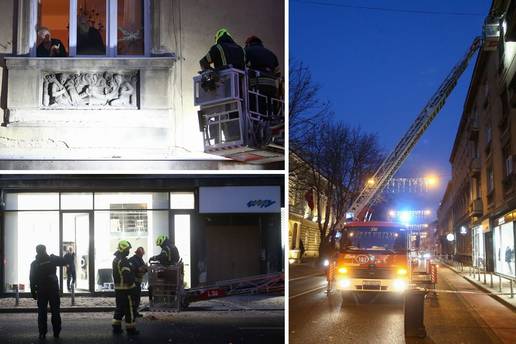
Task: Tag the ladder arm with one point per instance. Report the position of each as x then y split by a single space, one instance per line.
395 159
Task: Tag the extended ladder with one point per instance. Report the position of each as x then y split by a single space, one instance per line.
392 163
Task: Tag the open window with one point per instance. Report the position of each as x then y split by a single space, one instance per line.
91 28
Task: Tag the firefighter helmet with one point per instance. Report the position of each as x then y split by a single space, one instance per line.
123 245
220 33
161 239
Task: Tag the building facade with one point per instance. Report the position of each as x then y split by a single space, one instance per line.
218 237
121 87
480 200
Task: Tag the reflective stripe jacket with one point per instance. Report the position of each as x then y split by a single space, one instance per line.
123 275
226 52
169 254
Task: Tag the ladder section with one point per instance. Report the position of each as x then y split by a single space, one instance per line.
392 163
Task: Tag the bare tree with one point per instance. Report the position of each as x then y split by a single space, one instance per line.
306 110
334 167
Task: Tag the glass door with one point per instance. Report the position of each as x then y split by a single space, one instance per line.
76 248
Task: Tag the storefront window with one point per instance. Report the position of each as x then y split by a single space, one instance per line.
24 230
123 200
130 27
478 247
182 200
32 201
182 241
73 201
139 227
504 249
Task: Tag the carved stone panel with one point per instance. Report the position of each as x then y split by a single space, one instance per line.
90 90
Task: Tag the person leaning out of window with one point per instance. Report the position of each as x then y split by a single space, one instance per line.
48 46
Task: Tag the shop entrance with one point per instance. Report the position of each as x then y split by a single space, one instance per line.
76 241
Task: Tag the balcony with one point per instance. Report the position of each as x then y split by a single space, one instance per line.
476 208
474 168
473 130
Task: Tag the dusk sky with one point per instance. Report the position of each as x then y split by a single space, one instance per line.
379 62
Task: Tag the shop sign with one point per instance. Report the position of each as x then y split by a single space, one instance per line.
240 199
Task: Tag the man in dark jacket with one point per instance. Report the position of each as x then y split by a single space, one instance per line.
224 53
48 46
169 254
44 287
71 276
140 269
123 276
265 71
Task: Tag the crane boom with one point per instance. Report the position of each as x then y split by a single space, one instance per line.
392 163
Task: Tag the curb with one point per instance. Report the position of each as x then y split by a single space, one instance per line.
63 310
484 289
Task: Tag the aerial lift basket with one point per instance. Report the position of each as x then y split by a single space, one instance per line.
167 283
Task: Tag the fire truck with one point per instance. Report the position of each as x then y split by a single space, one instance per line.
371 256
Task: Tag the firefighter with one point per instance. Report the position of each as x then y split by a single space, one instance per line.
124 278
140 269
44 287
169 254
264 74
224 53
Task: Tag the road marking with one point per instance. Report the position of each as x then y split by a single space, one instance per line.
307 292
307 276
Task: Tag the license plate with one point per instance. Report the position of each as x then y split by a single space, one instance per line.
371 283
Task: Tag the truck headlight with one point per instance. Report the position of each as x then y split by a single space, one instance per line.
402 271
343 270
399 285
344 283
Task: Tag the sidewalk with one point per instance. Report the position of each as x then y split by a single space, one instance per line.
498 286
256 302
499 318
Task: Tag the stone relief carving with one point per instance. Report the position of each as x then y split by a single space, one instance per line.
89 90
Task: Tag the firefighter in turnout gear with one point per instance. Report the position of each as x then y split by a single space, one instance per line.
44 287
140 269
124 279
224 53
169 254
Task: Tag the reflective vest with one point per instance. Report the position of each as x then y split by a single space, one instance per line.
123 276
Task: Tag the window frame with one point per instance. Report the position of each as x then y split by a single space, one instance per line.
111 31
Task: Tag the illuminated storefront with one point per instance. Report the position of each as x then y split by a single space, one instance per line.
503 245
218 237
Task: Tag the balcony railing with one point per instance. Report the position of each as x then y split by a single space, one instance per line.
474 167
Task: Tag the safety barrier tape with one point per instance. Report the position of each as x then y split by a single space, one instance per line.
445 291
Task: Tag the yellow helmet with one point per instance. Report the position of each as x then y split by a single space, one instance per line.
161 239
124 245
220 33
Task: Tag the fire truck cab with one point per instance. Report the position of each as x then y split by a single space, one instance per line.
371 257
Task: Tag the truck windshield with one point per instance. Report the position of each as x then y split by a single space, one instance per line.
374 239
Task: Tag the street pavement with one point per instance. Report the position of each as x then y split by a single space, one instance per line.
238 319
316 317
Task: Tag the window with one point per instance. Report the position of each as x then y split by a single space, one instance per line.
92 28
489 133
507 160
504 249
490 179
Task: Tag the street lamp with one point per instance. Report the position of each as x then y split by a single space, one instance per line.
431 181
450 237
371 182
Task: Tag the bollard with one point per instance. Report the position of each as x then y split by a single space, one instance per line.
485 281
17 302
491 285
512 292
500 283
73 294
414 314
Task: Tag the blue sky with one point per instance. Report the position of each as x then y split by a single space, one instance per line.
378 68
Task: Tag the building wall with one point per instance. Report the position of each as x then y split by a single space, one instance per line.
488 123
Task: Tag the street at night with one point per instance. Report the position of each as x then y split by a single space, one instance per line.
316 317
188 327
